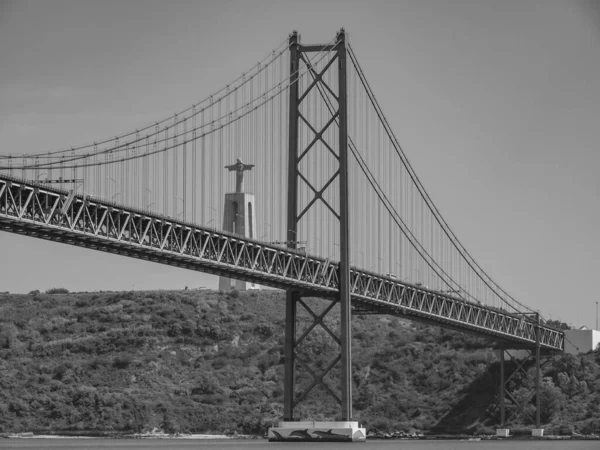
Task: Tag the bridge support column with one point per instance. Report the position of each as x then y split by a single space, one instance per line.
289 380
537 431
290 429
345 307
521 362
291 302
502 431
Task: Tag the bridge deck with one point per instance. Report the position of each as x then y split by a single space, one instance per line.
55 214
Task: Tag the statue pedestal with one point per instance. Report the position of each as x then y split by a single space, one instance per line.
239 217
317 432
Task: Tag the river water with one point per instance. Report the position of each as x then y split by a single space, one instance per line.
233 444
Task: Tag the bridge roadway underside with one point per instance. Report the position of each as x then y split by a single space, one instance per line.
58 215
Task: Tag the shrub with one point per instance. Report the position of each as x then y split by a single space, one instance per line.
170 425
264 330
123 361
207 385
57 291
60 370
98 362
82 303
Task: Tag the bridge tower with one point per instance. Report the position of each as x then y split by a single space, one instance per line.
344 428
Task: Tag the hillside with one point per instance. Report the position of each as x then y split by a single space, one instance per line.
204 361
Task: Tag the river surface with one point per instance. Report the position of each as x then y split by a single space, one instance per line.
232 444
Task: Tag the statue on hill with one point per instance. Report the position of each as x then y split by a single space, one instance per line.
239 168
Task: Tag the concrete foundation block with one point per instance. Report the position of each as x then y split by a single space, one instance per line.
502 432
312 431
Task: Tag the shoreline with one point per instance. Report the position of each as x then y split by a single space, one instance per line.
31 435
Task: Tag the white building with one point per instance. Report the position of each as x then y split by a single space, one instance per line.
581 341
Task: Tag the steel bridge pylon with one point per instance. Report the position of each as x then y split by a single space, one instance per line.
336 103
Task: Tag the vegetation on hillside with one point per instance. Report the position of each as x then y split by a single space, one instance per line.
204 361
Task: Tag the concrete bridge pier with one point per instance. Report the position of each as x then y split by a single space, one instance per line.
303 431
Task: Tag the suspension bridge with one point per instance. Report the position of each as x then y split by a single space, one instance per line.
339 212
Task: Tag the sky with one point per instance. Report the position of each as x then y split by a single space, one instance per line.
496 104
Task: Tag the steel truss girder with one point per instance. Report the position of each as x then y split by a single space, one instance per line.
32 210
396 297
88 222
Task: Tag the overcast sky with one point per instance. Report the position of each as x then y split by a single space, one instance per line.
496 103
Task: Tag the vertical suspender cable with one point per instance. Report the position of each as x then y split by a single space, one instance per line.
194 167
165 175
174 151
184 169
212 149
203 181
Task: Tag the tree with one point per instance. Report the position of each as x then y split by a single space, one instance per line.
8 335
552 400
558 324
